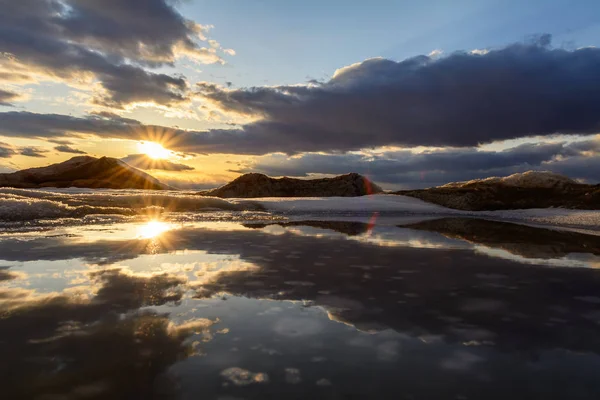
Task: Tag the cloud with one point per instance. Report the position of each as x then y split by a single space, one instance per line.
6 97
109 125
154 36
109 41
579 160
32 152
6 150
60 141
63 148
142 161
32 125
462 100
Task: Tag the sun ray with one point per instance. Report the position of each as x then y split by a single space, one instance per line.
154 150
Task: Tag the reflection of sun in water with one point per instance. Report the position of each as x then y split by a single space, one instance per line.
154 150
152 229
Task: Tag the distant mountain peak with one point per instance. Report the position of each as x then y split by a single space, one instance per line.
260 185
84 172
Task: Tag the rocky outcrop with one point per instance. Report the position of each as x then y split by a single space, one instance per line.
259 185
531 189
83 172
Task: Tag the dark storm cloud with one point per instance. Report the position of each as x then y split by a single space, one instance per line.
6 97
63 148
147 31
109 39
142 161
460 100
581 167
578 160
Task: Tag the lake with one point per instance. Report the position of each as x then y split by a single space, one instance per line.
348 307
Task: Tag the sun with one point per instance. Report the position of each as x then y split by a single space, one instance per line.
152 229
154 150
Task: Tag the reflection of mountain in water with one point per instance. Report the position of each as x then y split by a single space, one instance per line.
517 239
63 346
346 227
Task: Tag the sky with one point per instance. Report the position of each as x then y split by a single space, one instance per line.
411 94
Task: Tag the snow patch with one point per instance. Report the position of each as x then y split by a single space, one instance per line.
31 204
529 179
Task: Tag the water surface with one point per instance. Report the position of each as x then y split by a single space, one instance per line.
448 308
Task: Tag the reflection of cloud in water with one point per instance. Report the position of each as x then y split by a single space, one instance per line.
421 291
7 275
323 382
461 361
104 346
210 271
293 376
413 290
388 351
243 377
297 327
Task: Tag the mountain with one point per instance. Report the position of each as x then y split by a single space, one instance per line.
532 189
259 185
83 172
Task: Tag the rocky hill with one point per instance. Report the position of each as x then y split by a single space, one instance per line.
259 185
532 189
83 172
